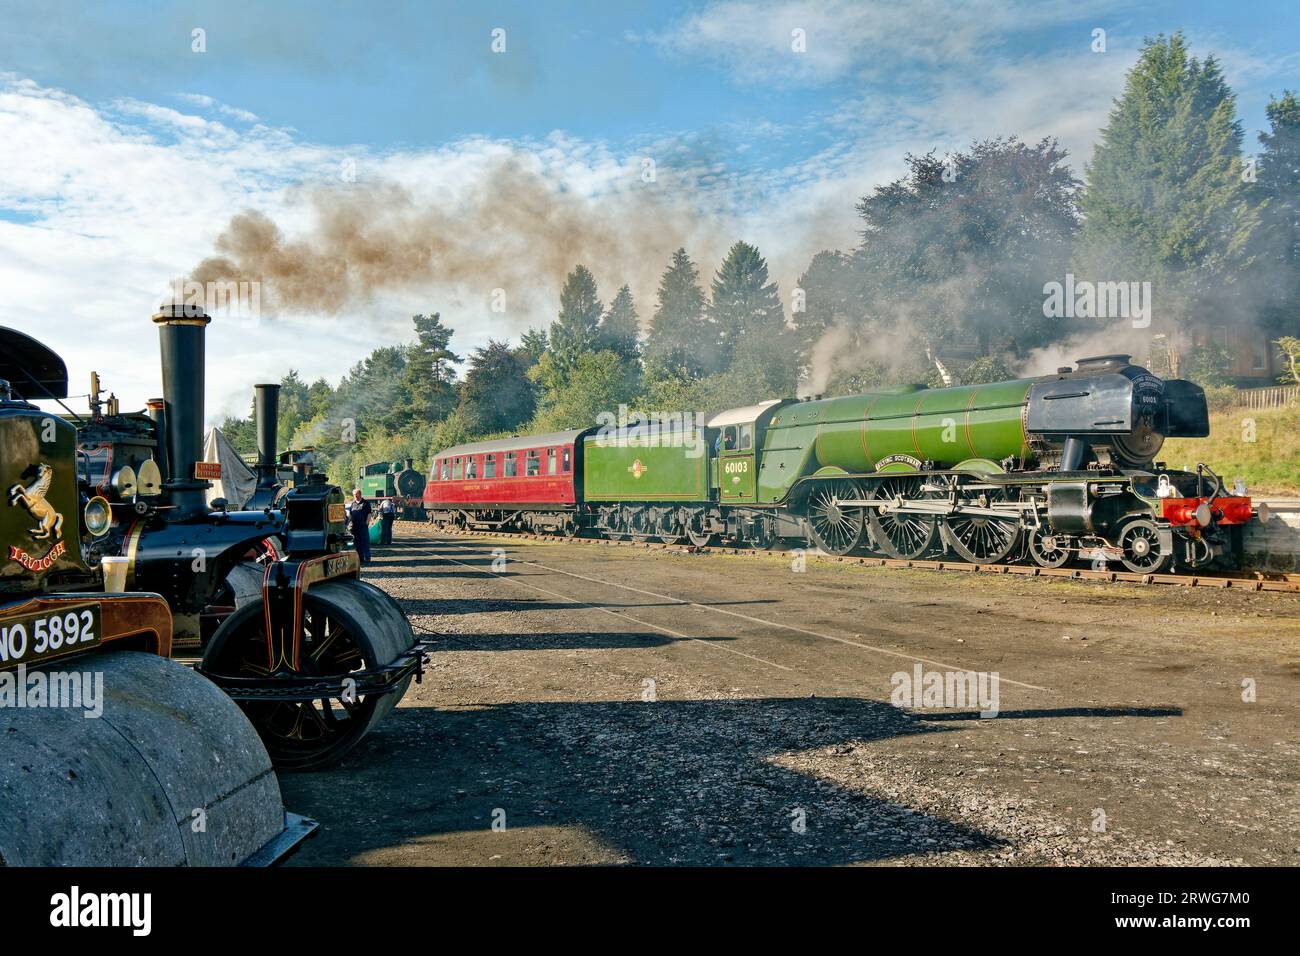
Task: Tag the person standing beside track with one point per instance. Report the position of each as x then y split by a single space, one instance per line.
359 524
387 515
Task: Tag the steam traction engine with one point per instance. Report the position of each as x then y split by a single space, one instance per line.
267 602
169 771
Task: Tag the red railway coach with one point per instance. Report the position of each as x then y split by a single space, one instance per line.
532 481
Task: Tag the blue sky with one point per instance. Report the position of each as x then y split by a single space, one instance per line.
127 152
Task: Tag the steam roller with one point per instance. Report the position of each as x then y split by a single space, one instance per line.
266 595
114 755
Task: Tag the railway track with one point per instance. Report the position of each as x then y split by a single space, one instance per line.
1255 581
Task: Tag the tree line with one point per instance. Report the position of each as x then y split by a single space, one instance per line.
952 260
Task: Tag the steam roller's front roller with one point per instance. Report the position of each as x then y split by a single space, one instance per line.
168 773
315 664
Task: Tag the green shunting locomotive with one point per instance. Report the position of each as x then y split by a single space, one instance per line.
1049 470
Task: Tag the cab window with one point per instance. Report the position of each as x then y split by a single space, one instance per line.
746 437
457 469
552 464
490 466
534 464
512 465
729 438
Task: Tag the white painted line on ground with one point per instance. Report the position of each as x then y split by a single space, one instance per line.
759 620
617 614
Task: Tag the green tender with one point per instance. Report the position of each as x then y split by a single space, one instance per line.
637 469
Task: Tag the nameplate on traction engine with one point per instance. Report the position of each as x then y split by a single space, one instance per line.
207 471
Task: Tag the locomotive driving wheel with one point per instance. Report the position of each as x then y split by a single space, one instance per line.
1142 552
981 539
902 536
834 528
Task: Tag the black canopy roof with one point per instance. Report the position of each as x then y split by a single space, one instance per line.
32 369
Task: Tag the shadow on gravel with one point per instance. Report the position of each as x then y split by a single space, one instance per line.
562 641
668 782
1059 712
481 605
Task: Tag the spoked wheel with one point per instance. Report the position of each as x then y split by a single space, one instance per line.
695 532
1046 549
834 528
903 536
1140 541
347 626
979 539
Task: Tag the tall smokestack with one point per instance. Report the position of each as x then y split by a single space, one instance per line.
181 339
266 411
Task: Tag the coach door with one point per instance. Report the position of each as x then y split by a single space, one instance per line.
736 462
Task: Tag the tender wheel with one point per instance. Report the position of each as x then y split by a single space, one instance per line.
668 530
640 527
982 540
833 528
1046 549
346 628
1140 541
695 532
901 536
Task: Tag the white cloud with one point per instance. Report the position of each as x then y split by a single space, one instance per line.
864 38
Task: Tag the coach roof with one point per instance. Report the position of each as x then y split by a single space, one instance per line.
514 444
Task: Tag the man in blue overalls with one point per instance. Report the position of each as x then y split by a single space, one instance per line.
359 524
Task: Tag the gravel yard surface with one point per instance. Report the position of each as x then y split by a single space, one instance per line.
590 703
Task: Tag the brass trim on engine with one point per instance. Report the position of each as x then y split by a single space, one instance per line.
132 547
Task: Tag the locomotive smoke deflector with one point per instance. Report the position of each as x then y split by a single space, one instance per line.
1110 398
181 336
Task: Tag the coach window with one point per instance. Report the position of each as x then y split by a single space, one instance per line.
489 466
512 465
457 469
471 467
746 437
568 463
552 466
533 465
446 469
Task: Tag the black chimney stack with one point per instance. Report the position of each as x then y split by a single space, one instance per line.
266 412
180 336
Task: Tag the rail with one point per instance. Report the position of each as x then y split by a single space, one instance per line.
1252 581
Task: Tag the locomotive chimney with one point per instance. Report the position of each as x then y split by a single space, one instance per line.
180 336
266 410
